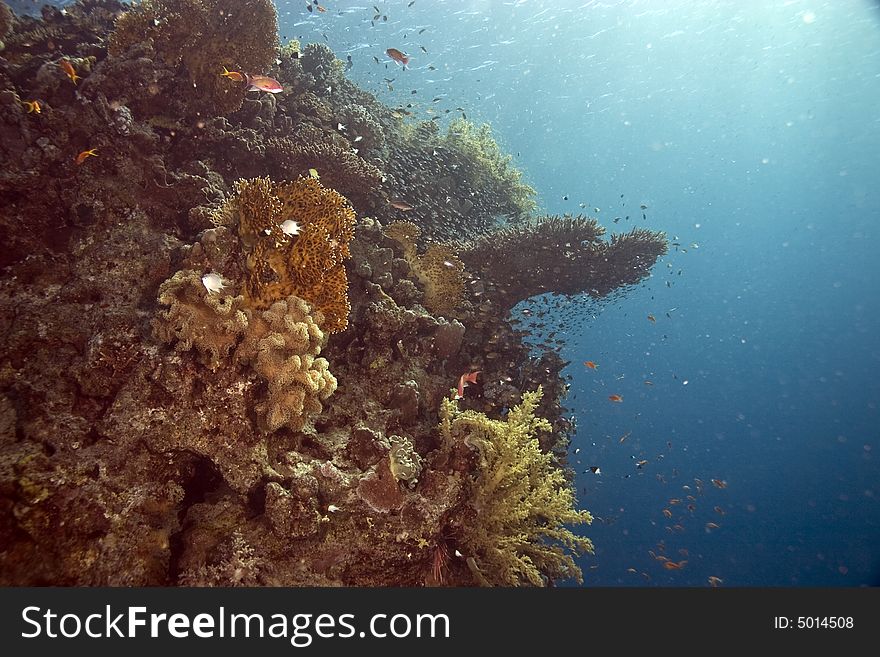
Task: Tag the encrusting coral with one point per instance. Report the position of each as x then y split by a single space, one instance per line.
438 269
514 532
203 36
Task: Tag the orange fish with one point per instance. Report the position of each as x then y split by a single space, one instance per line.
32 106
641 464
235 76
68 69
715 581
674 501
652 319
92 152
672 565
464 380
263 83
400 205
667 513
320 8
615 398
624 437
719 483
397 56
590 364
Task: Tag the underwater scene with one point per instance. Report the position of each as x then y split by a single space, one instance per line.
451 293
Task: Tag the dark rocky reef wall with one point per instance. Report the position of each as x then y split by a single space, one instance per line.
159 428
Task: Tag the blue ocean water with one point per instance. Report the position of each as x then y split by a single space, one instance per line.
750 130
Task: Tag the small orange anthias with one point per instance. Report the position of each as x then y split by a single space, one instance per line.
69 71
464 380
92 152
398 56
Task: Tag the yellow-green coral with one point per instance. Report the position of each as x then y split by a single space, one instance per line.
203 36
307 261
520 502
493 168
439 269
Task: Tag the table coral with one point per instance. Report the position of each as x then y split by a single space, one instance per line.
519 504
564 255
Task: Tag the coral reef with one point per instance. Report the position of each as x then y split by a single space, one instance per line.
514 529
171 311
201 37
563 255
294 241
438 269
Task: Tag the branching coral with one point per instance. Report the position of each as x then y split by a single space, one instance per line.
203 36
520 502
439 269
458 184
564 255
308 259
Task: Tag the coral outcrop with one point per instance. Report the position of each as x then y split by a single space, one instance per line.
563 255
200 37
438 269
513 529
209 376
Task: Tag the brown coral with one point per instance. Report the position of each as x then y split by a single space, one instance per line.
283 344
309 263
340 168
6 20
563 255
201 37
211 324
439 269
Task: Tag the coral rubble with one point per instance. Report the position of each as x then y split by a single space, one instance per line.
226 357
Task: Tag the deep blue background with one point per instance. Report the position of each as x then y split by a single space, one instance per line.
750 129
